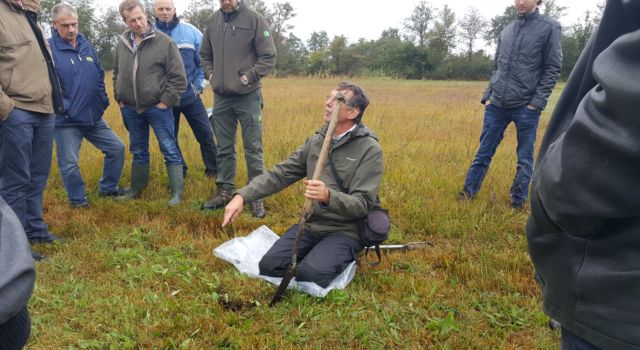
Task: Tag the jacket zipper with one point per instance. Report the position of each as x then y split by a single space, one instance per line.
519 26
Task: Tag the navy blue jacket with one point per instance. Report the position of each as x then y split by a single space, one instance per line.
82 80
188 39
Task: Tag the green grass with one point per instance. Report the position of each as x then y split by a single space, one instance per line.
139 275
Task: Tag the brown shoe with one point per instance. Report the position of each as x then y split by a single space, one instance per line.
219 200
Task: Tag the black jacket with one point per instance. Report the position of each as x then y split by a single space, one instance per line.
584 228
527 64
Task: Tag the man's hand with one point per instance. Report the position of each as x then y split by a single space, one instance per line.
487 102
532 107
316 190
244 80
162 106
232 210
121 104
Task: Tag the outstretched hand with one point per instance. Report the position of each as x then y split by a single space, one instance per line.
232 210
316 190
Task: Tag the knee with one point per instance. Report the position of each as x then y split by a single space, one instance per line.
309 273
274 266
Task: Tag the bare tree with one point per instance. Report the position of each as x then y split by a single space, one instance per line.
552 9
472 27
418 23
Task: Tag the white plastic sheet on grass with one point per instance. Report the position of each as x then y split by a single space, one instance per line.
245 253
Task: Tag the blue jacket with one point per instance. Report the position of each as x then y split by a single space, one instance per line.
188 39
82 80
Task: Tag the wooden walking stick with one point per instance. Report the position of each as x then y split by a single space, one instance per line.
306 209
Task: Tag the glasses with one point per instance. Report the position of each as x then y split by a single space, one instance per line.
332 98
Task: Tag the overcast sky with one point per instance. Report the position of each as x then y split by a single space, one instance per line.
368 18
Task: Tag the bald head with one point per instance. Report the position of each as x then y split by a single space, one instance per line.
164 10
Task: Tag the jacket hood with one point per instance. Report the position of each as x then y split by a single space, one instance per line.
360 131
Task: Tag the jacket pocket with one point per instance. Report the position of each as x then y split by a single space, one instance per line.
10 52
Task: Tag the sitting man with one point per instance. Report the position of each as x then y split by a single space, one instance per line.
330 239
85 100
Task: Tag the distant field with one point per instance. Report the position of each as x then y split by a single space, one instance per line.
138 275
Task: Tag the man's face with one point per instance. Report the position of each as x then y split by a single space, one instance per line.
526 6
164 10
228 5
136 20
346 112
67 27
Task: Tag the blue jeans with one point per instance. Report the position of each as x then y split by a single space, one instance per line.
161 120
68 141
496 120
197 118
26 148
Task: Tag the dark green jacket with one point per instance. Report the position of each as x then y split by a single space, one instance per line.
235 44
151 74
358 160
584 228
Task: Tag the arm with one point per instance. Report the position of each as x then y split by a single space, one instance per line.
206 51
363 189
201 82
487 92
101 86
176 77
551 69
114 76
265 51
6 105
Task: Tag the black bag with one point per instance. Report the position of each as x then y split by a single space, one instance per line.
374 228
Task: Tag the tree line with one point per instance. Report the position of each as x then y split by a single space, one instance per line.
433 43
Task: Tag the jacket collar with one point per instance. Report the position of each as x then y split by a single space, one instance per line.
13 6
529 16
62 44
167 27
360 131
127 34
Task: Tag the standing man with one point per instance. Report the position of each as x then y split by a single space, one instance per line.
330 240
29 95
237 51
85 100
189 39
148 78
526 67
583 231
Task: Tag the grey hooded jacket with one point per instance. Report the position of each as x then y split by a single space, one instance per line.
527 64
584 228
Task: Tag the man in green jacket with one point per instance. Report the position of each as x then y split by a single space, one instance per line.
237 51
148 79
330 239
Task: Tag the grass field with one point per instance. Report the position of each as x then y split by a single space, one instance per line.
138 275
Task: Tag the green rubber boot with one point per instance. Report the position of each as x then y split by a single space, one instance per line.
176 182
139 180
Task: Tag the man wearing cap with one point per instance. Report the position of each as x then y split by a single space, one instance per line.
237 52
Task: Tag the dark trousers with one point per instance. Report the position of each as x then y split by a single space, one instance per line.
320 257
198 120
26 150
14 333
571 341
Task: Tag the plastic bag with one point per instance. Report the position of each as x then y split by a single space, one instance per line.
245 253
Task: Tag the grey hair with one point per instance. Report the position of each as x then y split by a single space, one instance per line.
62 9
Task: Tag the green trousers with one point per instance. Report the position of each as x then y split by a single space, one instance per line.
228 111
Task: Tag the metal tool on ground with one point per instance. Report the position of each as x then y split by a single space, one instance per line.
406 246
306 209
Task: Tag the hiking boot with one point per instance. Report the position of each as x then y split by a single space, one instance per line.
50 239
257 209
464 196
219 200
80 205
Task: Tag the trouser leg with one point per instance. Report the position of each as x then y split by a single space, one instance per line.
161 120
103 138
328 259
224 126
278 259
198 120
494 125
250 116
68 142
526 122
